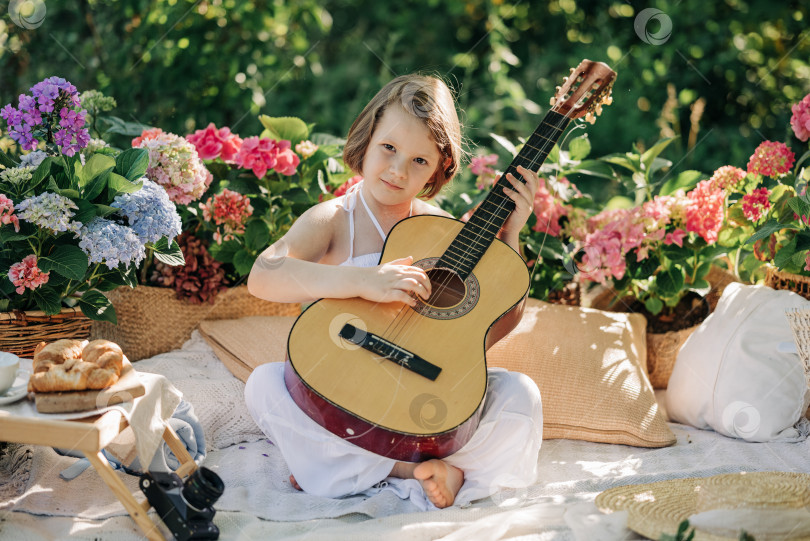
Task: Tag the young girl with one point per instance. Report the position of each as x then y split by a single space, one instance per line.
406 144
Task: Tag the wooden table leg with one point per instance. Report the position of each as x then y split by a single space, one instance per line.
187 464
135 510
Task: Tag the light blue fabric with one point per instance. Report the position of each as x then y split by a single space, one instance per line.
189 430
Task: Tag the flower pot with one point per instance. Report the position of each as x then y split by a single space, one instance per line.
151 320
788 281
20 332
663 348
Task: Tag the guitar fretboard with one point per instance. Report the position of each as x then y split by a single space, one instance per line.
478 233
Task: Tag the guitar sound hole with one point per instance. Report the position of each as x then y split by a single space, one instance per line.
447 289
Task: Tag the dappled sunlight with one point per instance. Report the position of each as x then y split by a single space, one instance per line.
628 467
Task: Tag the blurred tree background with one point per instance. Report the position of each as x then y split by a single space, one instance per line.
720 76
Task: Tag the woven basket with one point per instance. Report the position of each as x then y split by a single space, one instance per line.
785 280
20 332
151 320
663 348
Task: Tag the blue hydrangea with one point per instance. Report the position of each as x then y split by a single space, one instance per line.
105 241
49 211
33 159
151 214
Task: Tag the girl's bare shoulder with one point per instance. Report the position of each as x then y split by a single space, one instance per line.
421 207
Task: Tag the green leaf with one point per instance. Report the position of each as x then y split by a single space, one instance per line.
685 180
257 235
96 186
595 168
579 147
68 260
290 128
132 163
86 212
225 252
41 172
168 254
97 307
47 300
505 143
785 254
670 282
121 127
243 262
97 165
651 153
767 229
105 210
119 184
799 206
6 161
653 305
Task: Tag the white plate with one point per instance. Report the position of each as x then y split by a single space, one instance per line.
17 391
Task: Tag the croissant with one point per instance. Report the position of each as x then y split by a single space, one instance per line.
57 367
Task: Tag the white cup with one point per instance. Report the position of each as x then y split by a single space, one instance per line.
9 370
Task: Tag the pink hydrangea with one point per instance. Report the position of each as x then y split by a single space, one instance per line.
176 166
212 143
549 209
229 209
800 120
727 177
771 159
705 211
675 237
262 155
306 149
145 136
343 188
756 204
479 166
26 274
7 213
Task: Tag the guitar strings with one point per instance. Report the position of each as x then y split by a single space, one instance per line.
399 322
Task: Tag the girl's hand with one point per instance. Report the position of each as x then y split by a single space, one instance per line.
523 196
396 280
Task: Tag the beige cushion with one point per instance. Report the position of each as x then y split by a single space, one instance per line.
589 366
586 362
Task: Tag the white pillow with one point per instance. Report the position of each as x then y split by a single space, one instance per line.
730 375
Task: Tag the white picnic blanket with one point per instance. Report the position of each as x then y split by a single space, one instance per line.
259 502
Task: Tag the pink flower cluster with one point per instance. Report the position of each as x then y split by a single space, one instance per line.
756 204
800 120
213 143
261 155
727 177
612 234
175 165
771 159
7 213
480 167
343 188
26 274
548 208
230 209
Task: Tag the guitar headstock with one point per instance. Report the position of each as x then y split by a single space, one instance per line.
585 91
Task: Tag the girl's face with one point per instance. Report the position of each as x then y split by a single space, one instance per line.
400 159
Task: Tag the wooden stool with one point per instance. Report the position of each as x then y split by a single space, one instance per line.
91 436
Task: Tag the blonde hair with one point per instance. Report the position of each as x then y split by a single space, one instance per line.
426 98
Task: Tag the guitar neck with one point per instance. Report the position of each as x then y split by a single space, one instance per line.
478 233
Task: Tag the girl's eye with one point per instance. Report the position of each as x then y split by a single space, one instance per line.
388 147
421 161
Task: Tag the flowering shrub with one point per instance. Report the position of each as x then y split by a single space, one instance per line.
257 187
76 218
769 216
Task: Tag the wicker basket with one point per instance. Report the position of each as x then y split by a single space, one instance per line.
20 332
151 320
785 280
663 348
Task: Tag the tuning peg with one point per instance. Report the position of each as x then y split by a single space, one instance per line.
553 101
599 109
608 100
590 118
573 70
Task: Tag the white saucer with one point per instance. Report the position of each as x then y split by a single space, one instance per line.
16 392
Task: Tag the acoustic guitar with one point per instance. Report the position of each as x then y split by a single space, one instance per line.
409 382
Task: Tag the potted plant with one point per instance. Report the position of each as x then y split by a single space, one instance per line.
76 219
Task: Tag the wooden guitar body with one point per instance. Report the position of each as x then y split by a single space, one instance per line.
381 405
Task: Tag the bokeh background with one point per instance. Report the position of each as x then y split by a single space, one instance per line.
720 76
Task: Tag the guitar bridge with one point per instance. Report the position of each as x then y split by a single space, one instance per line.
389 350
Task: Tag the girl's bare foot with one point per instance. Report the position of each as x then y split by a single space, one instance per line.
294 483
440 480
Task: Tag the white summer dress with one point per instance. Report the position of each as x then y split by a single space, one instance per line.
501 453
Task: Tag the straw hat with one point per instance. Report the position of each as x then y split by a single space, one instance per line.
658 508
